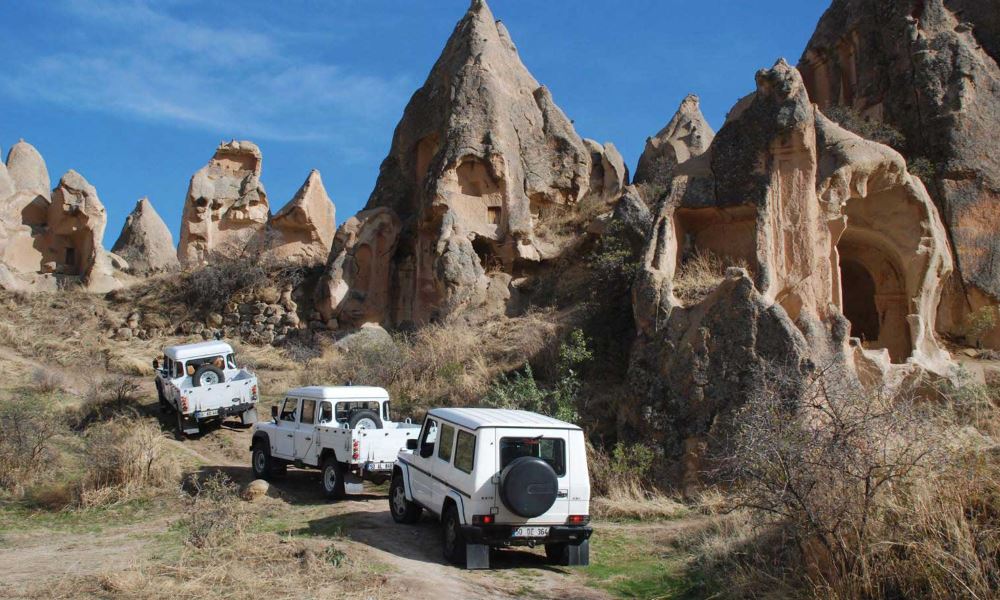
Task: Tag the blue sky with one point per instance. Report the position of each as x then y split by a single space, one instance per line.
136 95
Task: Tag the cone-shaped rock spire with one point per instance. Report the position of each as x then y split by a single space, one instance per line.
145 241
687 134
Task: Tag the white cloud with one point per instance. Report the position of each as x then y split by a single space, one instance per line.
135 59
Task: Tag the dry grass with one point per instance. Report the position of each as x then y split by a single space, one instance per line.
125 459
700 274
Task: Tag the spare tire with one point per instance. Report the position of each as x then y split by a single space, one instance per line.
367 418
528 486
207 375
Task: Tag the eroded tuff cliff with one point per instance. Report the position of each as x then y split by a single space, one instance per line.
480 157
145 242
839 239
929 69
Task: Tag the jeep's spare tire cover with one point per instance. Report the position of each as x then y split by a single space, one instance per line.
528 486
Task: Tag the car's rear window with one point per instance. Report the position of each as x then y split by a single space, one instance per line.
551 450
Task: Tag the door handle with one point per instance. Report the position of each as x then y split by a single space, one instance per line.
289 435
308 439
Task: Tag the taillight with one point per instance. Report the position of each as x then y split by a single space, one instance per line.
357 450
184 404
253 393
578 520
482 519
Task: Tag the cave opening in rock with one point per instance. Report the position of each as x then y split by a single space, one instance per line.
873 295
487 254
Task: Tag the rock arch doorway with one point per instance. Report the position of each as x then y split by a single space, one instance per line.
873 296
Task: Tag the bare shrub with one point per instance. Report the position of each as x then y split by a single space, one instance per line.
211 286
216 515
47 380
863 493
124 459
621 488
700 274
28 428
108 398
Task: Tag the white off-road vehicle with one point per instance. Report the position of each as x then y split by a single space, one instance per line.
345 431
201 382
497 478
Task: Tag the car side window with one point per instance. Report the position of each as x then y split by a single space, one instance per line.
231 361
308 412
428 438
326 413
178 369
465 451
288 410
447 442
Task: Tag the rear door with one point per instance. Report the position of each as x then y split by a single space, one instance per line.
552 446
284 432
305 434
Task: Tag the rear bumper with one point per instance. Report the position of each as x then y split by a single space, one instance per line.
223 411
502 535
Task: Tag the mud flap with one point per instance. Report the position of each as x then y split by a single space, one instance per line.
578 556
190 425
353 484
249 416
477 556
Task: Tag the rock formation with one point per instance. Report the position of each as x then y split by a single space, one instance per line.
480 158
929 69
687 135
145 243
226 206
50 239
829 225
302 232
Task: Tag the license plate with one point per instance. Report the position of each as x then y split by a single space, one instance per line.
531 532
209 413
380 466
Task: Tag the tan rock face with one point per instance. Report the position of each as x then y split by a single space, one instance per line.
226 206
841 241
302 232
27 168
481 154
145 242
687 135
929 69
47 244
76 224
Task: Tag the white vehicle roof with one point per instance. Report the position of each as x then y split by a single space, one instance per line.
475 418
186 351
340 392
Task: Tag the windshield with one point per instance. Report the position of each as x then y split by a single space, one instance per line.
551 450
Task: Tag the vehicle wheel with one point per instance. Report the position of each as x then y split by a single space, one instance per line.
260 460
365 418
180 425
164 407
403 511
333 478
452 543
207 375
557 553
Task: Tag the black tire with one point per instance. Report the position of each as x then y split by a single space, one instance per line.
558 554
452 540
403 510
211 373
528 486
361 415
164 407
332 478
263 465
180 425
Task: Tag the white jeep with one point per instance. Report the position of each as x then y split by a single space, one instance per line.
201 382
345 431
497 478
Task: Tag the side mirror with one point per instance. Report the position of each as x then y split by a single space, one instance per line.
274 412
412 444
156 364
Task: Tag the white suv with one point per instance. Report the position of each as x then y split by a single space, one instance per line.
497 478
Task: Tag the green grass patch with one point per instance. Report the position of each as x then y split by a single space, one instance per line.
629 565
18 517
